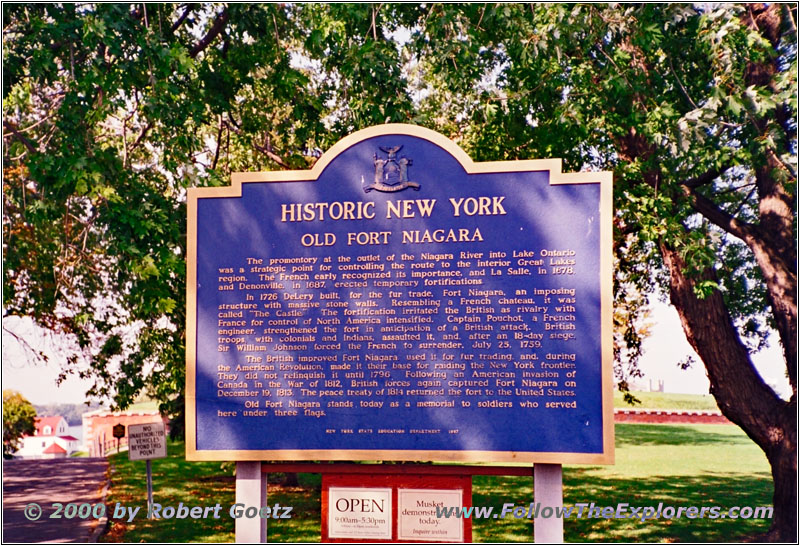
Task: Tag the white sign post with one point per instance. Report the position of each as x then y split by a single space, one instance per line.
548 490
251 490
145 442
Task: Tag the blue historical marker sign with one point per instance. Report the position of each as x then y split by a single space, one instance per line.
401 302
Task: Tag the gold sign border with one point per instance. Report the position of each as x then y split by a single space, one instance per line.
553 166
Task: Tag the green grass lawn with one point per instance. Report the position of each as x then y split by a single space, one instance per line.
174 480
146 405
679 465
665 400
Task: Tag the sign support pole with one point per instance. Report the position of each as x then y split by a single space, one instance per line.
548 491
146 441
251 490
149 490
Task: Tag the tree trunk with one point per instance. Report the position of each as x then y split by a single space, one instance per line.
290 479
783 460
777 258
775 247
741 394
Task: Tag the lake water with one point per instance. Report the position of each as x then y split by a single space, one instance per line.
77 432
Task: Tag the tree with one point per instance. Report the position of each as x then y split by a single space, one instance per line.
19 419
694 110
111 110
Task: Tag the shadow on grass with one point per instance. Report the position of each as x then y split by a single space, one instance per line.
204 484
174 481
649 435
580 487
207 484
305 524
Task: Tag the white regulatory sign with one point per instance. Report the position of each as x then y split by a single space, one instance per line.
147 441
360 512
416 515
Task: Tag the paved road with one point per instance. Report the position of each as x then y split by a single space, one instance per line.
44 482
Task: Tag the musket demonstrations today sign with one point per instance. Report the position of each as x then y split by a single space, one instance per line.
399 301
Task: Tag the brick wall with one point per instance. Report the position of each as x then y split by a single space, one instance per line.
670 416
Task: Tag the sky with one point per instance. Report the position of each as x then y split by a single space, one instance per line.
662 351
667 346
37 381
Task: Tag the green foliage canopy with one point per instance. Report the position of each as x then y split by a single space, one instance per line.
19 419
112 110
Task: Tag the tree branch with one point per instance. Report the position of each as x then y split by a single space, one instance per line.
277 35
599 48
182 18
268 151
374 26
778 270
219 24
705 178
789 168
745 200
145 129
680 83
219 143
36 124
19 136
717 216
789 20
741 393
26 346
